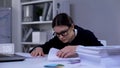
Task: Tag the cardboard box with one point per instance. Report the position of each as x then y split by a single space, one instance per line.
7 48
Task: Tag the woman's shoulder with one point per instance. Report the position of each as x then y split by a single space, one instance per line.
82 30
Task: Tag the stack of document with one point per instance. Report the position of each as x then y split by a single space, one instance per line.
92 54
113 50
53 57
96 53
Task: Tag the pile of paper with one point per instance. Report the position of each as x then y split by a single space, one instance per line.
95 51
94 54
113 49
52 56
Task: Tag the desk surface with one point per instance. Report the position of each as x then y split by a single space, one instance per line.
39 62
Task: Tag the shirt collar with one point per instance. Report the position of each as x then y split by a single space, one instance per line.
75 32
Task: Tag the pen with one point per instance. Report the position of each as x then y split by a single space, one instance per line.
74 61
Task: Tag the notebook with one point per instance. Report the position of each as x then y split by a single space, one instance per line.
11 57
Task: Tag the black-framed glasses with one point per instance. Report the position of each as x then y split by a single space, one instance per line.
62 33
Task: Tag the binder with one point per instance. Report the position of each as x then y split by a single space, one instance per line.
45 9
28 34
49 14
39 37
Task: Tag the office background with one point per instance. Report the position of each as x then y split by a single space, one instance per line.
100 16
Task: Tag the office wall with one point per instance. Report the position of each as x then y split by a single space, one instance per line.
5 25
100 16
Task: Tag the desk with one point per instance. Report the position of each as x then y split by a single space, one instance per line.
39 62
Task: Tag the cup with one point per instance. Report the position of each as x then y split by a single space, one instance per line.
40 18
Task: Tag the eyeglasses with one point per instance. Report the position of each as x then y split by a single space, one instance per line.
62 33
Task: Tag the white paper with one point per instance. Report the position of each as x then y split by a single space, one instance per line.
102 51
52 56
112 50
27 55
90 58
95 51
93 48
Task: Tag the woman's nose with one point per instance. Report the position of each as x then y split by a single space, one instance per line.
60 36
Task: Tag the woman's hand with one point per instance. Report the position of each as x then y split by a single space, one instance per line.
67 51
37 52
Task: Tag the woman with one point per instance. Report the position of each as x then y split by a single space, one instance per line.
67 37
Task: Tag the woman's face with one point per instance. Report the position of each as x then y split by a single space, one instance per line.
64 33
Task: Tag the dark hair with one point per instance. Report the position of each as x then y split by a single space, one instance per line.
62 19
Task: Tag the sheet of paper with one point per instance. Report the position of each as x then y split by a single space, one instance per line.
90 58
27 55
113 50
96 51
52 56
102 51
